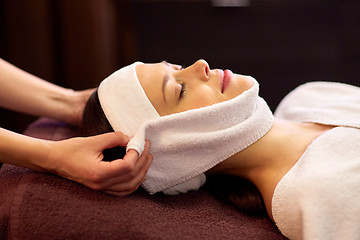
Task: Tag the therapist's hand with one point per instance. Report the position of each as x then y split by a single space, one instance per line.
80 160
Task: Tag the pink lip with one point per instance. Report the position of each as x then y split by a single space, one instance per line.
227 79
221 79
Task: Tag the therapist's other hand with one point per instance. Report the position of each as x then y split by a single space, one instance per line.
80 160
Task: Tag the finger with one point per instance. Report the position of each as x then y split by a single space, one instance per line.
110 140
120 167
137 166
132 154
123 189
125 173
145 169
137 177
119 194
129 164
128 180
146 148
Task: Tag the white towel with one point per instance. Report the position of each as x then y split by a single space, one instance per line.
319 197
184 145
124 101
330 103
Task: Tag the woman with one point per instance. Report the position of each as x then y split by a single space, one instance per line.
273 152
77 159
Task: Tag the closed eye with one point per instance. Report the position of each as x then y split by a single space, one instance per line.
182 90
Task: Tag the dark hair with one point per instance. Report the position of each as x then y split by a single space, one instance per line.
94 122
238 192
234 190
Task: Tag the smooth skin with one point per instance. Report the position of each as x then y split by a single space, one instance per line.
78 159
201 86
263 163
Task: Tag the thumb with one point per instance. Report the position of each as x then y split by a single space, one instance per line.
111 139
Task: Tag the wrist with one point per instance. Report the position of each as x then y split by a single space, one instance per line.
74 103
20 150
44 161
69 99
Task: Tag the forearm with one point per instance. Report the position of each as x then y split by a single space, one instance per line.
23 92
20 150
79 159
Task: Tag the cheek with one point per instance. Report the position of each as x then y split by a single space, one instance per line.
201 99
157 102
204 101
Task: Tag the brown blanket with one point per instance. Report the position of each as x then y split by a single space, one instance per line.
43 206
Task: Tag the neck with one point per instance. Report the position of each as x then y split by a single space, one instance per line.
266 161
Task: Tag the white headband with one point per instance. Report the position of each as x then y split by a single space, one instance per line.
124 101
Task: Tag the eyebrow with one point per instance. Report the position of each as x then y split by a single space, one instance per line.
165 81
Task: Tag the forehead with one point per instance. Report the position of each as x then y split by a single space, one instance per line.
149 70
150 76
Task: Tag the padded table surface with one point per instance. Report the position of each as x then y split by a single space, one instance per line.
44 206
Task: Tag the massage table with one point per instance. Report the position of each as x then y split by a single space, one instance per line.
45 206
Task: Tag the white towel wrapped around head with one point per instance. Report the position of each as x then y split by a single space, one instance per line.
187 144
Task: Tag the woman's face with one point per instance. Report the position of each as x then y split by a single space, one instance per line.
173 89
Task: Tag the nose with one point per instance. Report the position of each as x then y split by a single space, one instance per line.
201 69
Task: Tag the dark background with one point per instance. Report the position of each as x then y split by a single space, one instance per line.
281 43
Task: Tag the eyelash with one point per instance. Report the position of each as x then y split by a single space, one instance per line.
183 88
